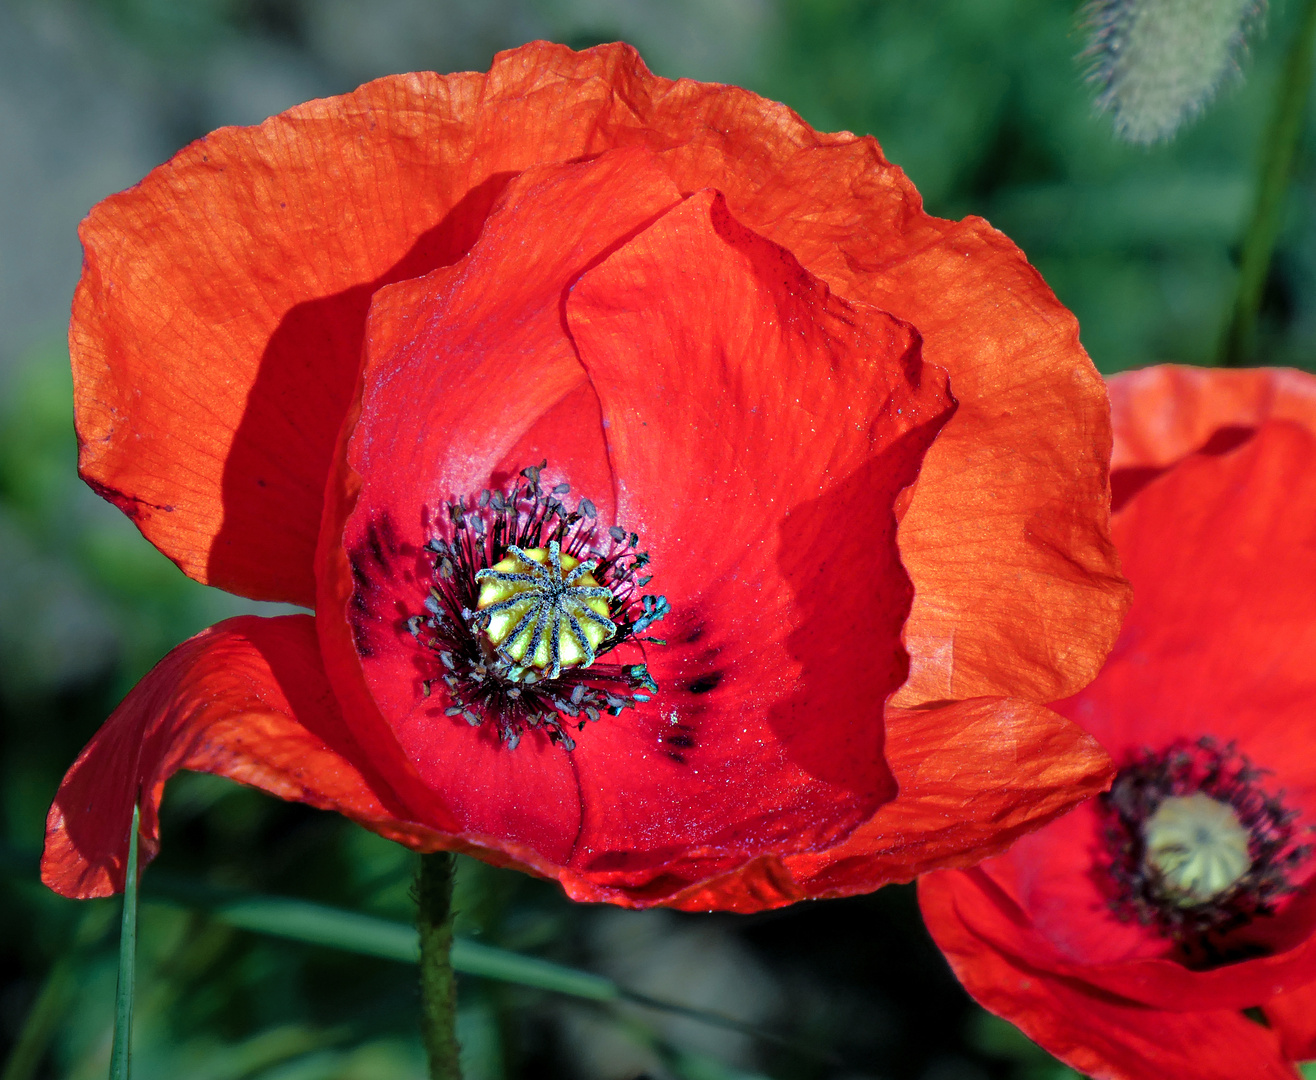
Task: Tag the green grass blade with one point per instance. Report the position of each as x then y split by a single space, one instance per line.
121 1055
352 931
472 958
316 924
369 935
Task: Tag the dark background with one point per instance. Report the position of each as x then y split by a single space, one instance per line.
981 101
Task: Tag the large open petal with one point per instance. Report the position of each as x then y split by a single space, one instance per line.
247 699
972 776
1165 413
463 368
760 430
1098 1033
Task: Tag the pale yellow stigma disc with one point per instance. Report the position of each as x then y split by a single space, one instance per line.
572 651
1197 846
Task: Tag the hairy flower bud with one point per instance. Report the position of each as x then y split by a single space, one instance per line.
1157 63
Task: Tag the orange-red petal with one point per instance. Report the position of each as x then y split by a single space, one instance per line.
217 328
1100 1034
246 699
973 776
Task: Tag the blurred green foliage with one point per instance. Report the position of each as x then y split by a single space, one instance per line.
981 102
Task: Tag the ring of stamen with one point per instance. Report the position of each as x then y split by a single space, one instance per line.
1197 848
528 602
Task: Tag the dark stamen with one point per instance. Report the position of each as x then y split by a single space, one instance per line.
484 682
1138 890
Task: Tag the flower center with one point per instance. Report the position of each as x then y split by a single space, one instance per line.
541 608
526 600
1198 848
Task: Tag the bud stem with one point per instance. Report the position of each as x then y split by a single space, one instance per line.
438 985
1238 346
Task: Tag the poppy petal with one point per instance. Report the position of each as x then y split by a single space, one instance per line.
464 368
760 429
1099 1034
217 328
1165 413
972 776
1293 1015
1222 542
1017 589
246 699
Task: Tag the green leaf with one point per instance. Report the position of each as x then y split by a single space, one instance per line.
121 1055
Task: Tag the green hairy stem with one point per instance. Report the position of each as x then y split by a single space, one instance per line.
438 983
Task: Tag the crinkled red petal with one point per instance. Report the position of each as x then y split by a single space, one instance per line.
217 328
1162 414
1098 1033
973 777
1293 1016
246 699
1017 586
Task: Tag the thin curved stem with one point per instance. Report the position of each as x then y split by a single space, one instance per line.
1238 346
121 1053
438 984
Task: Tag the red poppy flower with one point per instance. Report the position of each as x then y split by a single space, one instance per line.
496 372
1131 936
